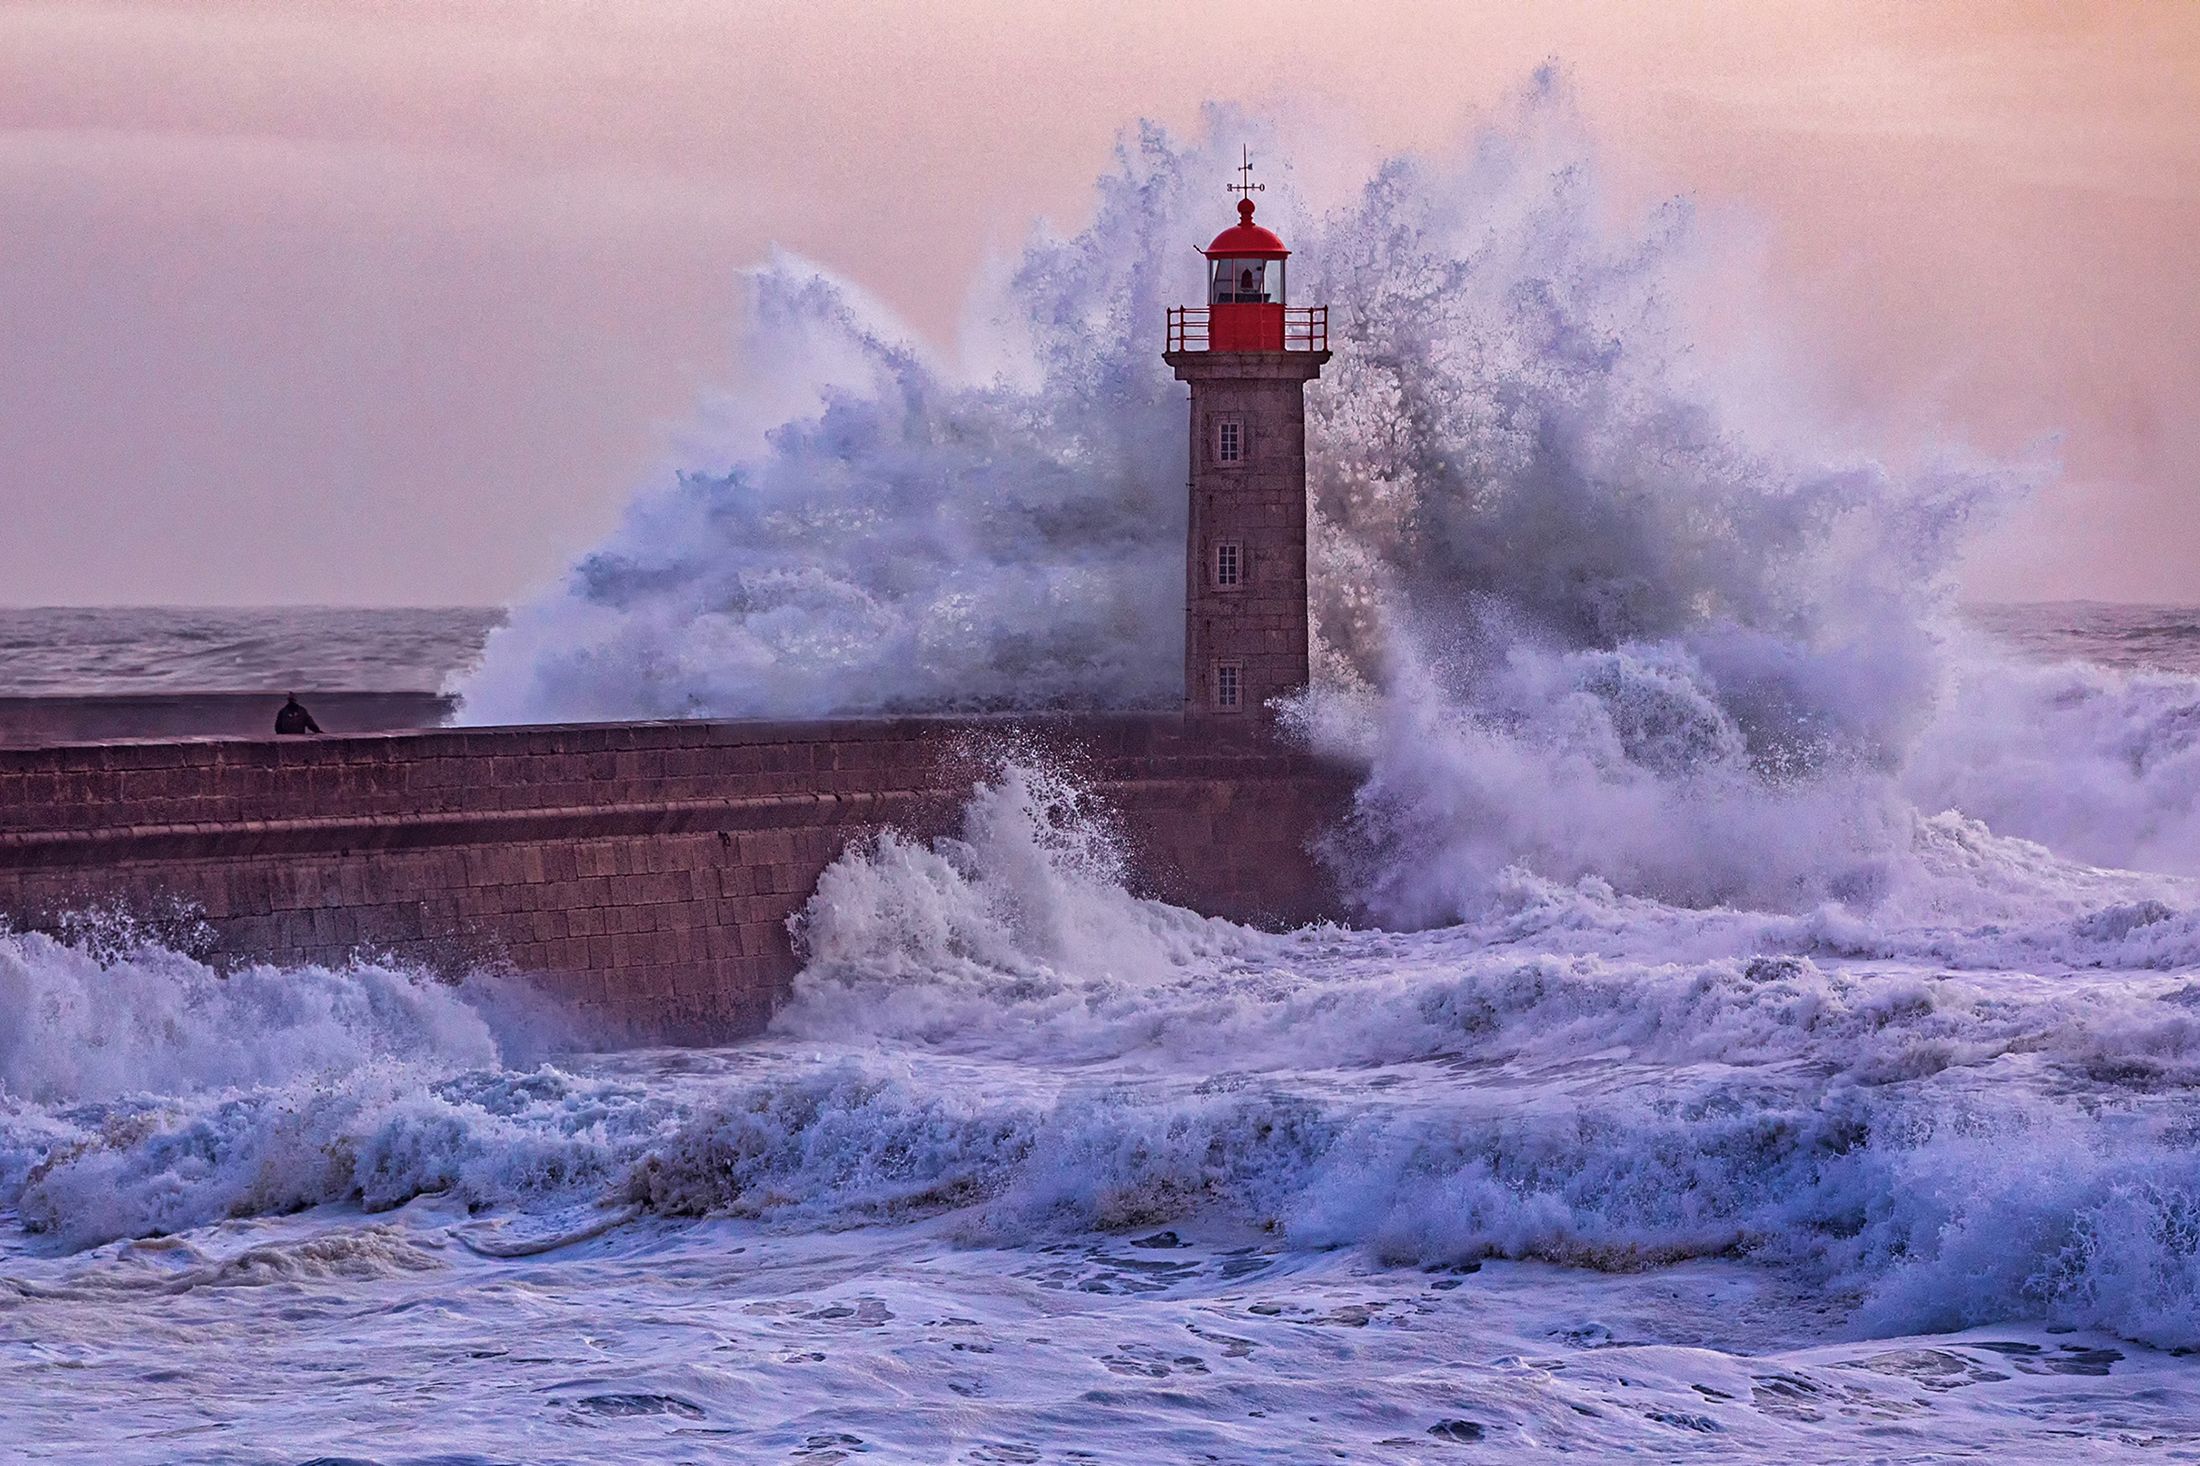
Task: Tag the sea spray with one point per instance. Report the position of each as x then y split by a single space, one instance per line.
1644 638
1612 632
1031 893
912 540
2102 765
1514 427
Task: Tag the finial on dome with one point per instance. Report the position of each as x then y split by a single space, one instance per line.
1245 188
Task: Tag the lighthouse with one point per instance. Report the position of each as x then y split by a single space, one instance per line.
1247 355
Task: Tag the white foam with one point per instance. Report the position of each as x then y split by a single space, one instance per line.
142 1091
88 1024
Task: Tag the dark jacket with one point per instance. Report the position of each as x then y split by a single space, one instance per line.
295 719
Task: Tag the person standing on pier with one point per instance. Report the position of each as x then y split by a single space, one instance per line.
294 719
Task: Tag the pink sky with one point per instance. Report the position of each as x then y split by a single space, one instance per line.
398 302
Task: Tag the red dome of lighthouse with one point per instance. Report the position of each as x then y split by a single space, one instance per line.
1246 240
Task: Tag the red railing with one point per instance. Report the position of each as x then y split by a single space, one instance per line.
1305 328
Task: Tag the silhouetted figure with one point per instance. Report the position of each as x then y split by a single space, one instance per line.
294 718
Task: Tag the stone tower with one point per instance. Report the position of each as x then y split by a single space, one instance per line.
1247 355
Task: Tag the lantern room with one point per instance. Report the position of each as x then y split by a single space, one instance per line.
1245 290
1245 263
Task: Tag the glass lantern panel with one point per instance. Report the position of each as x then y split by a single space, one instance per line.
1246 282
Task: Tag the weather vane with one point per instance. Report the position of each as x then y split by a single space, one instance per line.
1245 187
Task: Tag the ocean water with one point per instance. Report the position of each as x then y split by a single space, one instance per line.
89 650
2128 637
1770 1030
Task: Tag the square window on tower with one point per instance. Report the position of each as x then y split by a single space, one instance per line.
1229 565
1229 441
1229 686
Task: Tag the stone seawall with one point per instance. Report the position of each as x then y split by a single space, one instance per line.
642 872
